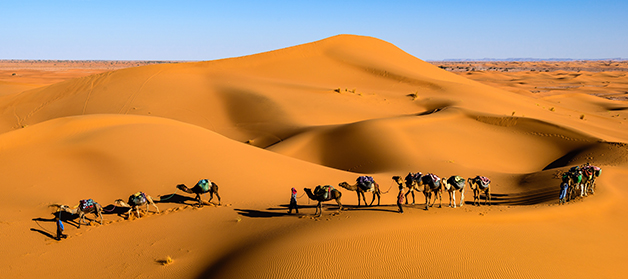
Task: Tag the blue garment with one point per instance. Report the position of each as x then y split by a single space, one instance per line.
563 190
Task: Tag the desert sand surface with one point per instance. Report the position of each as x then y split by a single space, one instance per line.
313 114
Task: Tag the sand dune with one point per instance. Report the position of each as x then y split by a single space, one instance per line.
308 115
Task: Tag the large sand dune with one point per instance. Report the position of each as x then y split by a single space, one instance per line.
308 115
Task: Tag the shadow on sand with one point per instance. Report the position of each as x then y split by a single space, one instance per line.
175 198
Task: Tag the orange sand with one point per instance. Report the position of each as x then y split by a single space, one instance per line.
318 113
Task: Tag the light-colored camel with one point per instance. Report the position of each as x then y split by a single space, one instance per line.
590 173
414 183
81 211
478 187
356 187
432 186
136 201
453 184
198 190
333 195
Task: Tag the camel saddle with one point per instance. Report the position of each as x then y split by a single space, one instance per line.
431 179
483 181
204 184
323 191
366 183
456 181
137 198
86 204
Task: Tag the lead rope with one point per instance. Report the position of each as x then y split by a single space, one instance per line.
114 208
391 184
165 199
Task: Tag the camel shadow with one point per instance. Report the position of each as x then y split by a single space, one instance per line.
252 213
381 208
175 198
113 209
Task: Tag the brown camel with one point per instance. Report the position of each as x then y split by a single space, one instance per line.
201 188
414 183
84 207
453 184
135 201
361 188
432 185
333 194
480 184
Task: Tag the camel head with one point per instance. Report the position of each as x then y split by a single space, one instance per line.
472 183
398 180
121 202
67 209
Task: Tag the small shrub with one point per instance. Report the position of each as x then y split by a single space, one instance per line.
552 109
414 96
337 90
582 117
167 261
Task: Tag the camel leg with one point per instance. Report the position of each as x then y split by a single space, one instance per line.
373 200
319 209
461 197
150 200
427 200
81 216
211 196
406 196
99 214
339 204
364 198
452 199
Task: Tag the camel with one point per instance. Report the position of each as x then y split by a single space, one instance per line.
453 184
480 184
84 207
575 183
432 185
135 201
590 174
361 187
332 195
201 188
413 182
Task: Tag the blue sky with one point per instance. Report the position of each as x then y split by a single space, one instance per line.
208 30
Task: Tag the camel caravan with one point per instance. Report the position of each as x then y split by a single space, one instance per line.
578 181
134 204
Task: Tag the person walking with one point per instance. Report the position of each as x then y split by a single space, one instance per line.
60 228
401 198
293 202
